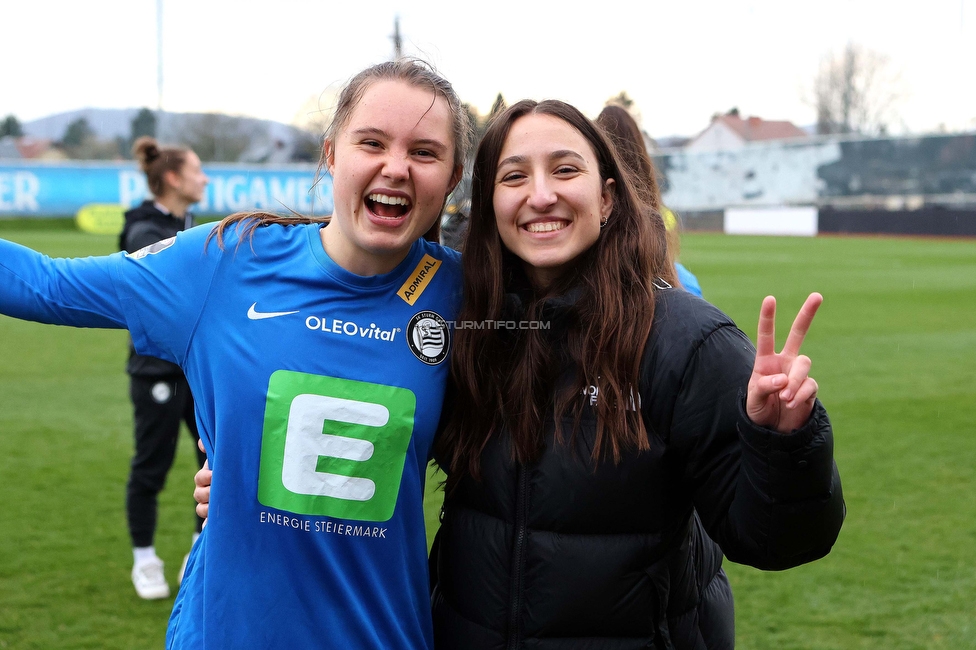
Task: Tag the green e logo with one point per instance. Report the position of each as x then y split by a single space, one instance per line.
334 447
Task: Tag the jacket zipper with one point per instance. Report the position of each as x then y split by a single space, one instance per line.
514 631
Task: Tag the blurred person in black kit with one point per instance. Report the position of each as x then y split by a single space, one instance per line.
160 395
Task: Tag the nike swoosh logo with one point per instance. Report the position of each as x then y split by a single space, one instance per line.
254 314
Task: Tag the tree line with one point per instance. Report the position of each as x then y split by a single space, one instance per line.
854 91
214 137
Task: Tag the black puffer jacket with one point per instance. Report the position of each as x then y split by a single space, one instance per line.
144 225
560 554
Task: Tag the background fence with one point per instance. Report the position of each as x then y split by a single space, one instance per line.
36 189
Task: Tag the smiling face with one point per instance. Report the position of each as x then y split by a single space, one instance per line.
549 199
392 167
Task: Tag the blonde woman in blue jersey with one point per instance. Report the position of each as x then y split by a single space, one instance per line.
317 356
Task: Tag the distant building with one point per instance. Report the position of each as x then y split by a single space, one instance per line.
671 142
730 132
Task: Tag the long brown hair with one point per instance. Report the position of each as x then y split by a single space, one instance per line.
412 71
626 136
155 161
507 380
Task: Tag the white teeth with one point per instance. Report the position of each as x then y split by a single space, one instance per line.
545 226
388 200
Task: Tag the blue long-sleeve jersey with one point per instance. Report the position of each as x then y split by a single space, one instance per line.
318 394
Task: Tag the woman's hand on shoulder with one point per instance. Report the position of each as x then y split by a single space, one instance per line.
781 392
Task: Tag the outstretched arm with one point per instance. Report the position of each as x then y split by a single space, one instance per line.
759 465
78 292
158 294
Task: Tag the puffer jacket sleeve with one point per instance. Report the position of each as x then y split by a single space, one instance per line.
771 500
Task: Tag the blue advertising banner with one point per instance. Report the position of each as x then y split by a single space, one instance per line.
45 189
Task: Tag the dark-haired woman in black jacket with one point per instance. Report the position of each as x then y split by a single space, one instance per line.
597 410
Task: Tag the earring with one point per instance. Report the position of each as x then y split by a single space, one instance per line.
604 221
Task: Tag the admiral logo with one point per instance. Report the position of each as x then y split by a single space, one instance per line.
419 279
429 337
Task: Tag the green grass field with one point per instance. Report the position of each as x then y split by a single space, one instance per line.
893 348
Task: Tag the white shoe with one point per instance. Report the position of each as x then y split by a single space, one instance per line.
149 581
179 578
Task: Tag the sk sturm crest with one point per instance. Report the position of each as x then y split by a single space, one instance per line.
429 337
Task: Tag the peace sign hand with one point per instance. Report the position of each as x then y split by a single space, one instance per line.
781 392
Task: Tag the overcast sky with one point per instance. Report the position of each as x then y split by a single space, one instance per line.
680 61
